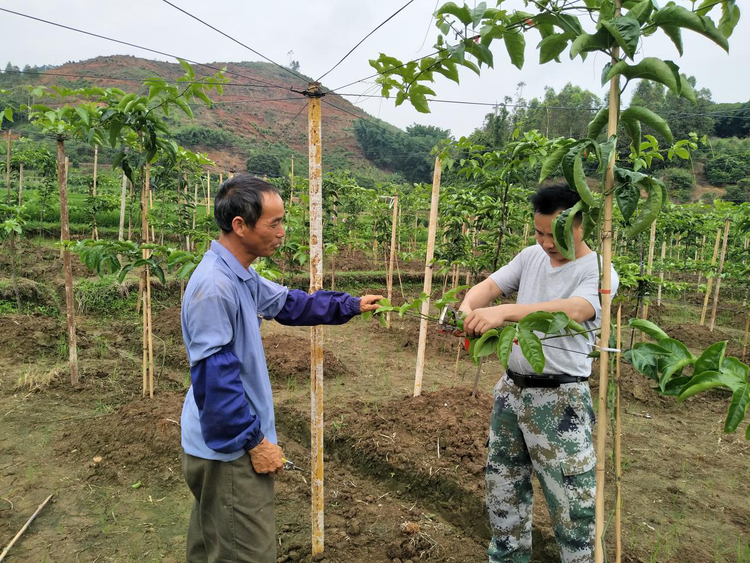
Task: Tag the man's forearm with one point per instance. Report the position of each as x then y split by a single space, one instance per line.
577 308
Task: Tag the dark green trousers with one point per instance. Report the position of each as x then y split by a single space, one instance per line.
233 515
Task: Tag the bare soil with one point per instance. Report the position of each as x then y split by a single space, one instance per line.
404 475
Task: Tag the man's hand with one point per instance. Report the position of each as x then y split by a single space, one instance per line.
481 320
267 457
369 303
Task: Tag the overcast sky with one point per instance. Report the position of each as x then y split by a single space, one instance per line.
320 33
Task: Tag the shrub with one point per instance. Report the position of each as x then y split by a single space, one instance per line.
262 164
739 193
680 183
727 169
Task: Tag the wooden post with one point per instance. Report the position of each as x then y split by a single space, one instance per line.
606 300
123 195
67 265
316 332
618 443
95 231
649 270
427 278
291 181
711 279
744 339
20 182
700 257
7 166
208 193
392 256
718 274
661 270
221 178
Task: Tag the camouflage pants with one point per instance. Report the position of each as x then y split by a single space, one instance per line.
548 431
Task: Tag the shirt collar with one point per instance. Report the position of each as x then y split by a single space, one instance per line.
230 260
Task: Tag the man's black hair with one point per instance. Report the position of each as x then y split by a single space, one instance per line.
241 196
549 199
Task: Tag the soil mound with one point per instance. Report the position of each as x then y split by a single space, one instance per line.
442 431
140 442
289 357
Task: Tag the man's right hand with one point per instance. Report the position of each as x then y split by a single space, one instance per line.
267 457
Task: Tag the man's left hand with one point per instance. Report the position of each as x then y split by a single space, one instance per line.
481 320
369 303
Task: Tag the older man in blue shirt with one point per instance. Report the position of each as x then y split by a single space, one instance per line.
228 410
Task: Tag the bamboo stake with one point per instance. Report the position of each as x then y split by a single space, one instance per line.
606 300
67 164
718 274
208 194
391 257
661 271
316 332
123 195
95 230
744 340
67 265
432 230
618 443
20 182
7 165
291 182
25 527
649 270
700 255
147 312
710 281
195 203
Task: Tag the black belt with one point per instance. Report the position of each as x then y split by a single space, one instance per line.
547 381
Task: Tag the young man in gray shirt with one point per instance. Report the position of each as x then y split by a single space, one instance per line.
542 422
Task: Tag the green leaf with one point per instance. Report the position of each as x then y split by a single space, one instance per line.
463 13
551 47
187 68
675 34
505 344
645 358
562 230
648 117
649 68
586 43
649 328
702 382
738 408
579 182
641 11
677 16
486 344
559 322
633 130
686 89
657 195
626 30
599 122
712 358
515 43
554 159
531 347
539 321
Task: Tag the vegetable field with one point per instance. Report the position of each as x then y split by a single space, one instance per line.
393 425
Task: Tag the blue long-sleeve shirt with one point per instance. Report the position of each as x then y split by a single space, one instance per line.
229 406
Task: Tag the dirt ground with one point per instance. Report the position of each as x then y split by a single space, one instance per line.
404 476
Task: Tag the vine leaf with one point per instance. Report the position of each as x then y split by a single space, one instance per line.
531 347
505 344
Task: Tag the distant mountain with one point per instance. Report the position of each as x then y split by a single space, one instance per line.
259 111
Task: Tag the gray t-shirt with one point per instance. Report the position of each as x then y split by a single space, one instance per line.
531 274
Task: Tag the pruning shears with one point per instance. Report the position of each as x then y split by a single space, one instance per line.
448 321
289 466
